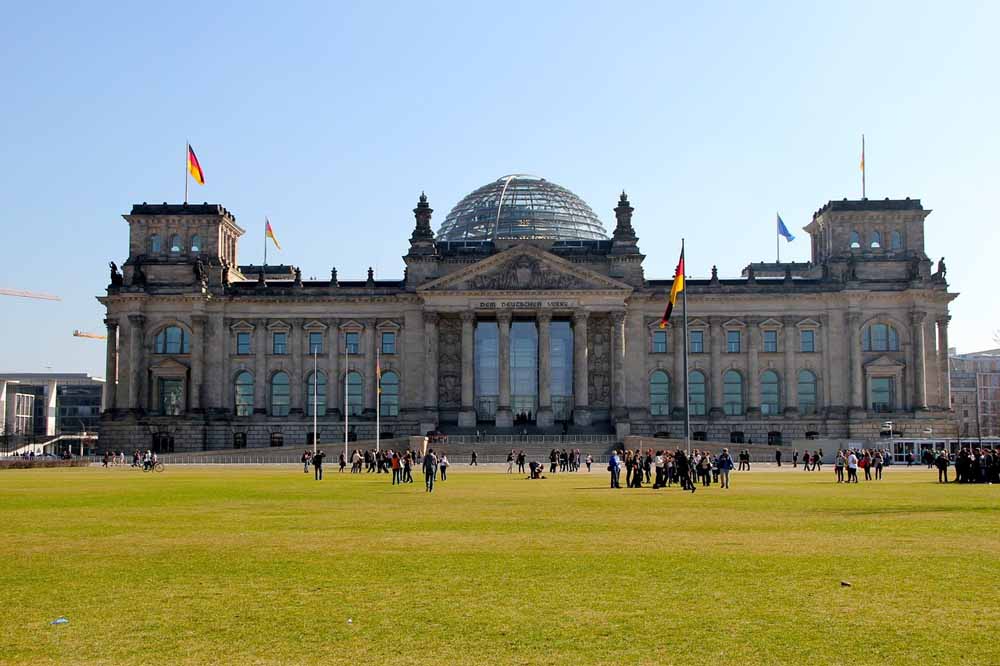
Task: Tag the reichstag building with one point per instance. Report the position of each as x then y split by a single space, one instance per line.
523 313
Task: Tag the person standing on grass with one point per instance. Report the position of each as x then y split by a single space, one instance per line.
343 462
590 461
474 460
866 464
510 463
777 456
818 460
521 459
878 462
852 467
941 462
795 458
430 469
805 460
615 468
838 466
317 461
408 468
684 471
725 467
306 457
443 465
396 473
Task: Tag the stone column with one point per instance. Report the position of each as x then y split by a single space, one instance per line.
855 372
136 365
581 377
504 417
111 366
467 416
716 336
431 362
932 379
197 361
260 378
371 384
544 418
334 382
944 361
791 375
618 365
218 379
753 368
919 375
297 390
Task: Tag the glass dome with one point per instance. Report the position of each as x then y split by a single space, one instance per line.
521 207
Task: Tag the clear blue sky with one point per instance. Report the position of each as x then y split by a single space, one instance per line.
332 119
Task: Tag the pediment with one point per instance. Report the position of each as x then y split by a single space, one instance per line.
242 327
734 323
168 365
351 325
315 325
524 268
808 323
279 326
388 325
697 323
884 362
771 323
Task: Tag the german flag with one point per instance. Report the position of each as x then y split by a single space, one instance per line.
194 168
269 233
676 289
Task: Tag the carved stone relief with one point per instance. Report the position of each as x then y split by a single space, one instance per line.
449 363
599 366
526 273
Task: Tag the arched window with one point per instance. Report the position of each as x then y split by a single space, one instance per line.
659 394
155 244
172 340
855 240
175 244
316 394
280 394
244 394
732 393
807 392
389 395
876 242
879 338
696 393
896 241
355 399
770 393
195 244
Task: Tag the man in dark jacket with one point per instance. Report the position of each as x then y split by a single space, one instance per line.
318 465
430 469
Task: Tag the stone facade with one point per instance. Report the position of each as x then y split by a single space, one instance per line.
204 353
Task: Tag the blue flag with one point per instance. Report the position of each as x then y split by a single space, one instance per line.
783 230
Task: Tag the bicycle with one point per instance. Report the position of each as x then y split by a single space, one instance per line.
154 467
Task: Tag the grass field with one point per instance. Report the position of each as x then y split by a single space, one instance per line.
265 566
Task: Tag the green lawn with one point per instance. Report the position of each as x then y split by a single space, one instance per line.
265 566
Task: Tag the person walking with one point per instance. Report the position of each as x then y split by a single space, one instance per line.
317 462
777 456
725 467
852 468
430 469
795 458
590 461
408 468
614 466
474 460
443 466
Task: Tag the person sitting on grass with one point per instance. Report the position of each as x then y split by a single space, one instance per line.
535 469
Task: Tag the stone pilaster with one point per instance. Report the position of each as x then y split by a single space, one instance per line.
855 372
790 394
467 416
618 365
371 383
716 336
581 376
944 361
504 416
677 380
297 379
111 366
544 417
195 402
431 362
261 382
334 380
136 360
919 369
753 368
932 379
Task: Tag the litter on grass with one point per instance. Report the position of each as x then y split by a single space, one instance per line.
59 620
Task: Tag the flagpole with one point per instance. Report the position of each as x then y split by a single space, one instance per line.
777 238
315 399
378 398
345 398
863 193
187 156
687 397
265 240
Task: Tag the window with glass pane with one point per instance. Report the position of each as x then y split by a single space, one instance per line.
244 394
807 341
659 394
280 394
880 337
770 341
279 343
896 241
175 244
352 340
876 242
770 393
355 397
316 394
389 398
243 343
733 342
855 240
807 392
487 372
172 340
315 342
696 393
659 342
171 396
697 341
524 368
732 393
882 391
155 244
388 343
196 244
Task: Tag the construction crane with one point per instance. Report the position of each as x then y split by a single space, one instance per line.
94 336
29 294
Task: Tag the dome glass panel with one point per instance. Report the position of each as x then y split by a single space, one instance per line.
521 207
